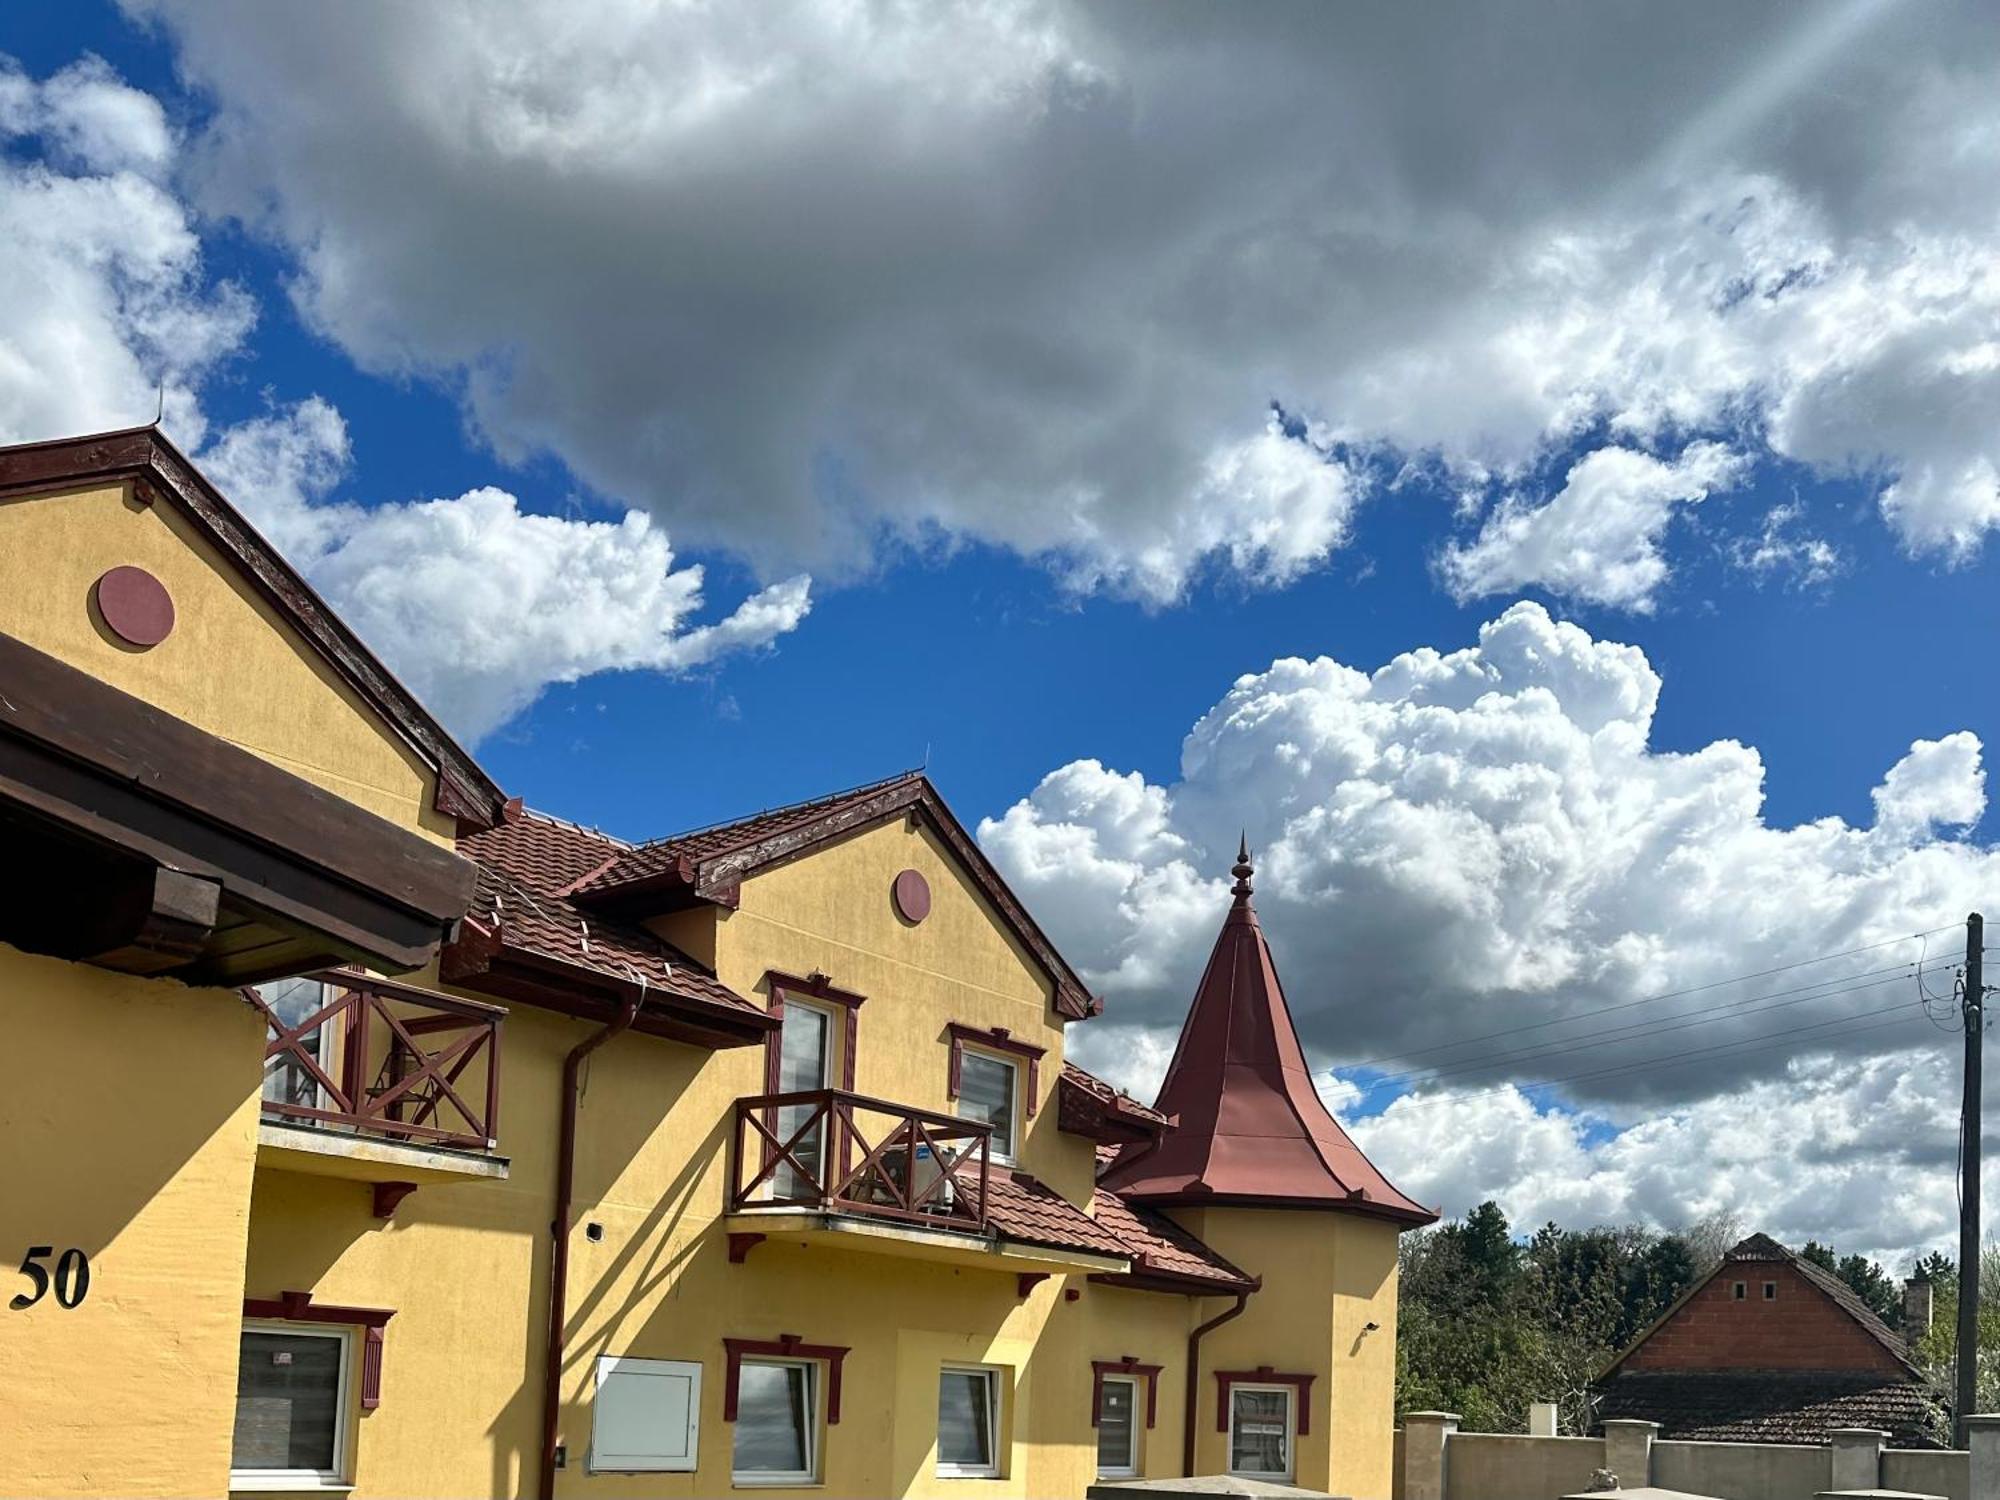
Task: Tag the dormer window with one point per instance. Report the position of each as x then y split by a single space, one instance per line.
987 1089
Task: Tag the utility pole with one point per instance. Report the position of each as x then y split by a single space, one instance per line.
1974 1006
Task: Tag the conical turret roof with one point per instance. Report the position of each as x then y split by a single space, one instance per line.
1251 1126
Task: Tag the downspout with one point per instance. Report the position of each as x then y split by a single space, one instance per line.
1194 1379
559 1229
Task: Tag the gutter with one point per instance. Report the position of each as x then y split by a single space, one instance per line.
559 1229
1194 1379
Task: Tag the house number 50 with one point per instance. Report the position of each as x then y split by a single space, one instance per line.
71 1281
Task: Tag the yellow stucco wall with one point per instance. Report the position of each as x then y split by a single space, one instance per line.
1326 1276
466 1265
231 666
127 1130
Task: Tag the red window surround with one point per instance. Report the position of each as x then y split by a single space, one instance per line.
298 1307
784 1346
814 986
999 1040
1099 1368
1263 1375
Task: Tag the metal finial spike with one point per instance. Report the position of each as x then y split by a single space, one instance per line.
1242 871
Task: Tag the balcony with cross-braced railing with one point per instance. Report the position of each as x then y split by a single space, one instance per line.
404 1081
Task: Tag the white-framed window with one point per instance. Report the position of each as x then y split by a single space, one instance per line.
645 1415
968 1422
1770 1291
805 1062
989 1090
1738 1290
293 1384
1261 1424
1118 1427
777 1422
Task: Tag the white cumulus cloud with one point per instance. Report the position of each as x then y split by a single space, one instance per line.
801 276
478 604
1480 878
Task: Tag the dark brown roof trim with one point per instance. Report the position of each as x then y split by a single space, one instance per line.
1416 1218
1177 1283
159 470
718 877
482 959
99 765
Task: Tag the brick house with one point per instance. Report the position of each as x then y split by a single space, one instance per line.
1771 1348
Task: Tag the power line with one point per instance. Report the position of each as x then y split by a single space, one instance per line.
1838 1027
1602 1010
1642 1030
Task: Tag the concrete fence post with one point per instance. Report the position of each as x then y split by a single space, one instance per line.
1982 1436
1425 1435
1541 1419
1628 1450
1857 1458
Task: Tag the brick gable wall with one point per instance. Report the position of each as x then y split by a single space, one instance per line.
1802 1329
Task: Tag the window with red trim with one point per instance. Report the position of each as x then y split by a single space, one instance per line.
984 1081
1263 1411
1115 1404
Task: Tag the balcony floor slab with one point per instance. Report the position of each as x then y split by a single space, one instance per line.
362 1158
914 1242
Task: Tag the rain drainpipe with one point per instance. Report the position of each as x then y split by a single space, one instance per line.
1194 1379
559 1235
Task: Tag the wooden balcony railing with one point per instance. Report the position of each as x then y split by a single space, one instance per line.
351 1052
836 1151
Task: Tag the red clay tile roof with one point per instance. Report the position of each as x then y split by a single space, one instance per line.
710 864
1766 1407
1086 1105
526 864
638 862
1159 1246
1033 1213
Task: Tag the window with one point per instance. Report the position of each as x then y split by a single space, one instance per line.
646 1416
777 1422
1118 1427
986 1092
805 1061
1770 1291
968 1424
1739 1290
291 1405
1260 1431
286 1079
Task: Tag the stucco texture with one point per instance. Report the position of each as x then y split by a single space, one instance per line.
230 666
128 1109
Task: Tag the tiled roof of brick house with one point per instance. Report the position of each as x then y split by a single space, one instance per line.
1721 1406
1770 1347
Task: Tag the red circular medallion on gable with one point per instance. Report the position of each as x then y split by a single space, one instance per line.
913 896
136 606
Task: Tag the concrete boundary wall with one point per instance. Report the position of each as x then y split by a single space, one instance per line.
1502 1466
1446 1464
1927 1472
1743 1471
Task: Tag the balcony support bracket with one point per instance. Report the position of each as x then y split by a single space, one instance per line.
740 1246
388 1196
1027 1281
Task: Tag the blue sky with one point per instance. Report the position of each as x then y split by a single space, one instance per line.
979 658
981 324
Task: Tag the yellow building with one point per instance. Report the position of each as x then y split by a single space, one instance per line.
366 1133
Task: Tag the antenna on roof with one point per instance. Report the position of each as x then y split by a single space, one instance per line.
160 411
925 764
